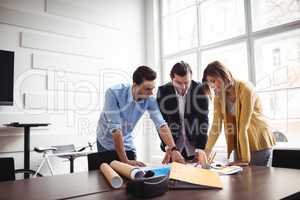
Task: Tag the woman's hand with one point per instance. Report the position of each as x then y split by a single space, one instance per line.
201 158
207 152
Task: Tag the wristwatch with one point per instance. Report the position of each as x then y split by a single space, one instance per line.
198 150
174 148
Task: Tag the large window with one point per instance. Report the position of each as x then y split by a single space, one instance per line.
181 30
277 60
190 58
277 69
258 40
221 20
268 13
234 56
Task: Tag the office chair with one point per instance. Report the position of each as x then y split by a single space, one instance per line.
61 149
279 136
7 169
69 152
286 158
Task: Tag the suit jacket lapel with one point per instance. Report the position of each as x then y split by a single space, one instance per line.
188 103
174 101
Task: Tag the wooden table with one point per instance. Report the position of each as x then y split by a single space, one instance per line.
54 187
255 183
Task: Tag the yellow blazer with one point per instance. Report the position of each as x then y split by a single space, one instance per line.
252 131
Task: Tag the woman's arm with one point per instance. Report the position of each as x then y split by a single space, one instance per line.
216 127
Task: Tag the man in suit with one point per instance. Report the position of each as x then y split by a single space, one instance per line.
184 107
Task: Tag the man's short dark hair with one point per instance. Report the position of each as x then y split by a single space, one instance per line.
181 69
143 73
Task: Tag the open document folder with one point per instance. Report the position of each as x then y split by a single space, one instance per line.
189 177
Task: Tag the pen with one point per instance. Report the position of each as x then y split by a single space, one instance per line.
211 159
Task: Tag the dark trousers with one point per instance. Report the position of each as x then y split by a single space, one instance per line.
105 156
186 157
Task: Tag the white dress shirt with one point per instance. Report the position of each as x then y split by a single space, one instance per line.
183 142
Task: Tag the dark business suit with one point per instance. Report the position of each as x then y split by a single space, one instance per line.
195 114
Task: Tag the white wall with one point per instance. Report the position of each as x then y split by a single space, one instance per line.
67 52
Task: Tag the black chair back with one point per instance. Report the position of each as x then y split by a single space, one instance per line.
286 158
7 169
279 136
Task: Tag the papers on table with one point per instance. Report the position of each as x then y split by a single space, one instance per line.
186 176
227 170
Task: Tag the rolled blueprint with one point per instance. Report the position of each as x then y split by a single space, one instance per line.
127 170
111 176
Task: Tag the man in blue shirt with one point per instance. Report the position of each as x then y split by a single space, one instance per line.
123 107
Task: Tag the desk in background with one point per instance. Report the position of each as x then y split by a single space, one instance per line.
26 127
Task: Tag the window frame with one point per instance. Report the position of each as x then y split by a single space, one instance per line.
249 38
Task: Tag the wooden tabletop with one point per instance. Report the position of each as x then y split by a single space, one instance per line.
55 187
259 183
253 183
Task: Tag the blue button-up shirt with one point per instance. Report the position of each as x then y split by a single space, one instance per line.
121 111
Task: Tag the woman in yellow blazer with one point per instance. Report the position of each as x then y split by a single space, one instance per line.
236 104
